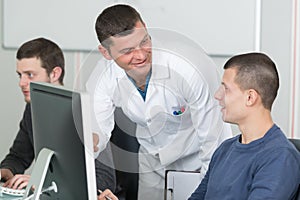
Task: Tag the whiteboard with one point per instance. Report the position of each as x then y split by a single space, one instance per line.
70 23
220 27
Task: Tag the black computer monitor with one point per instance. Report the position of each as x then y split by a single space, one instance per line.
60 121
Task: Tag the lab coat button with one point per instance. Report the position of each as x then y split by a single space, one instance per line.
149 121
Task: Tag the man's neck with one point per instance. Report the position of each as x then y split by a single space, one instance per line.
255 127
139 80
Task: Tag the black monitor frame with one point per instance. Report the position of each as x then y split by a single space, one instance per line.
63 144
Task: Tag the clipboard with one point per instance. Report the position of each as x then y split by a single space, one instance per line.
180 185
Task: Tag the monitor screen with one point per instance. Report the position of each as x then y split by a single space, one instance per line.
61 124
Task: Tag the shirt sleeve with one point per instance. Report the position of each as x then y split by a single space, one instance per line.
21 153
102 107
105 171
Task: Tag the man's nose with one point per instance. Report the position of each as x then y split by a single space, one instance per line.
139 54
23 81
219 94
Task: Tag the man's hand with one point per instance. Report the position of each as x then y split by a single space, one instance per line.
107 193
19 181
6 174
96 142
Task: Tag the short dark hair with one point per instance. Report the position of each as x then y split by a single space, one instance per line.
256 71
48 52
117 20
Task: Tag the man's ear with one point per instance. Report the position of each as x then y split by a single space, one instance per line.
104 52
55 75
252 97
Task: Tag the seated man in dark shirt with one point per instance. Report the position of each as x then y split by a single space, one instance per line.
39 60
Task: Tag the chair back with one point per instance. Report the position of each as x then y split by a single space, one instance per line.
296 143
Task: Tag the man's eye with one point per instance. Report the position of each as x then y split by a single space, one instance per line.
127 51
145 41
30 75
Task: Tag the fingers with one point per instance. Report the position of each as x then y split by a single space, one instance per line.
96 142
107 193
19 181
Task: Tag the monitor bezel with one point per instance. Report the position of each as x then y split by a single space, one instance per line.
82 99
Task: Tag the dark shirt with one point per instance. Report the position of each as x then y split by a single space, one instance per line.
21 155
267 168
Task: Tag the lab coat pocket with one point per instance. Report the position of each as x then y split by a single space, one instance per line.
169 123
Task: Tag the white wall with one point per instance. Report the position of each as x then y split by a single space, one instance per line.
237 26
295 108
276 40
12 102
11 105
279 42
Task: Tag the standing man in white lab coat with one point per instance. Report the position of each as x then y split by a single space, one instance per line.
168 96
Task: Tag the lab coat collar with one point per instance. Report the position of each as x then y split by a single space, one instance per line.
160 67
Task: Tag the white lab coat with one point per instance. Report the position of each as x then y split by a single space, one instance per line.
181 142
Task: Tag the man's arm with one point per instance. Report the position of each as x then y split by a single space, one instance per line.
200 192
102 109
21 154
105 171
277 176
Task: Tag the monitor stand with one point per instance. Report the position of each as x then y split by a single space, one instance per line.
37 178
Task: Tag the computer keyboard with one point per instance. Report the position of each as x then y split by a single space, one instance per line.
10 191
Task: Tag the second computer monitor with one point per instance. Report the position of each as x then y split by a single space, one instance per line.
60 121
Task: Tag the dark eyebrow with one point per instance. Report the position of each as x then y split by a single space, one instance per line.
25 72
125 50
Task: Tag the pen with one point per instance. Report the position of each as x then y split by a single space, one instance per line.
108 198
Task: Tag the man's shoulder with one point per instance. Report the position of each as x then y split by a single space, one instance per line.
228 143
104 71
231 140
27 110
